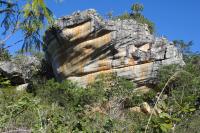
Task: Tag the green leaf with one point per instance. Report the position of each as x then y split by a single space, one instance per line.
164 115
176 119
27 9
165 127
192 109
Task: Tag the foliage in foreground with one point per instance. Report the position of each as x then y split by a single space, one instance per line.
104 105
29 17
61 107
183 92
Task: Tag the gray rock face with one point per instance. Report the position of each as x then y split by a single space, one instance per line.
10 70
84 45
20 69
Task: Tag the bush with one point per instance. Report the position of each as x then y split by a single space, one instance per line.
4 82
23 111
4 55
137 15
68 94
183 92
190 124
60 107
113 85
103 106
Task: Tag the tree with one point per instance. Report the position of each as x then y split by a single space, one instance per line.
137 15
183 47
137 8
4 55
109 15
28 17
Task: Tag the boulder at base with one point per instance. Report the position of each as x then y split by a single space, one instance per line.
20 69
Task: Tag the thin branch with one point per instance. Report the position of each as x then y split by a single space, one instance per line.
153 110
10 35
7 3
13 44
15 23
7 37
6 10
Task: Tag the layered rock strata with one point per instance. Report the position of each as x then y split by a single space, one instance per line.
83 45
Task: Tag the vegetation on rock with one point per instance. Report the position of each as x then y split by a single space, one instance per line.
137 15
4 55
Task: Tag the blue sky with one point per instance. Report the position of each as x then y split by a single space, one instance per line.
175 19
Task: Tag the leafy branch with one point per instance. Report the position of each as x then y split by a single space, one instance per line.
29 18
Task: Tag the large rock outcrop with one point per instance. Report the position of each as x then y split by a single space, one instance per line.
83 45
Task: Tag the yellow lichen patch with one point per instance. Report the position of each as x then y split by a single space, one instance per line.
144 70
131 62
87 51
63 69
89 78
104 64
145 47
78 31
137 72
72 60
87 48
94 43
83 60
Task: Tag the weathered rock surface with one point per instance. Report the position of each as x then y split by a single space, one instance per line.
84 45
146 108
20 69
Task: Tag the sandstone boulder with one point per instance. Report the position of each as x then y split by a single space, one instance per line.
146 108
83 45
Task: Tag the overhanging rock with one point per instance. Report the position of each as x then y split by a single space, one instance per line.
83 45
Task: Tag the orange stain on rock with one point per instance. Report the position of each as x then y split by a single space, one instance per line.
78 31
131 62
104 64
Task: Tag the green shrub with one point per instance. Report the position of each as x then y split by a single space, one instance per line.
4 55
189 124
136 14
4 82
113 85
183 92
14 107
65 107
21 110
74 99
68 94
